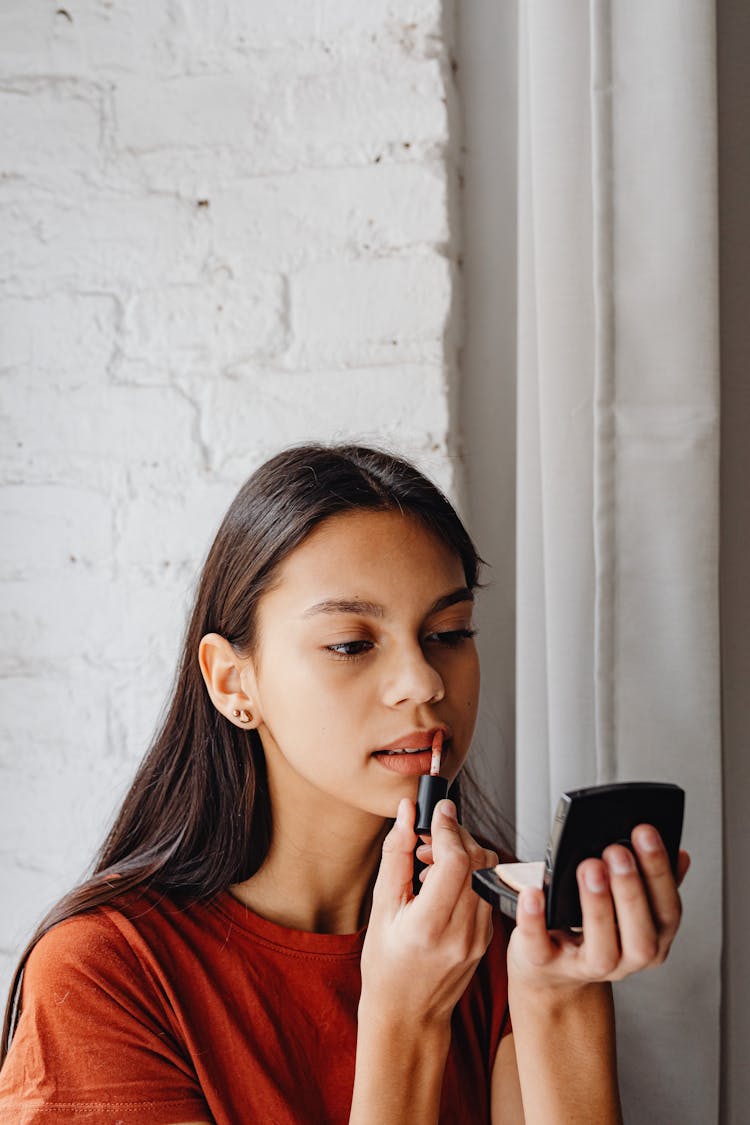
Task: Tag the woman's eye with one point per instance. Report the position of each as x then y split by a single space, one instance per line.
349 648
452 637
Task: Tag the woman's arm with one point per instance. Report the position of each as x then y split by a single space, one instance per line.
507 1106
399 1071
565 1067
419 955
558 984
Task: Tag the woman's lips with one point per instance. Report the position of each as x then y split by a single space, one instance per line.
411 765
416 739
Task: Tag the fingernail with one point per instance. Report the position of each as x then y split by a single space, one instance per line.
402 814
448 809
648 839
595 879
532 904
620 862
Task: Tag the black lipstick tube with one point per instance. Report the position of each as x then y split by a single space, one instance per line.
431 790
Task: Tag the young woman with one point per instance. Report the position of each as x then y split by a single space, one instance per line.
250 947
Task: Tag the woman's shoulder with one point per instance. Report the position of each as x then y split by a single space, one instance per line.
85 931
103 965
119 936
144 937
93 942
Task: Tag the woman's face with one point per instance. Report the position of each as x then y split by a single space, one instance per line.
365 648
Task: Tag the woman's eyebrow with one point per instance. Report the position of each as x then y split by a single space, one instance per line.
462 594
346 605
373 609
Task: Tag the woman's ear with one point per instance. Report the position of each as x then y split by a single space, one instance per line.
229 679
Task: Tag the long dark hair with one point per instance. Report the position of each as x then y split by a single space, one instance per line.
197 816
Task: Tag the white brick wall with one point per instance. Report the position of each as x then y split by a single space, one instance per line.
225 228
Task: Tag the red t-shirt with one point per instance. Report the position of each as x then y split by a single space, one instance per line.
147 1013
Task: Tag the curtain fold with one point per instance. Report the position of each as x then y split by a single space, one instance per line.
617 599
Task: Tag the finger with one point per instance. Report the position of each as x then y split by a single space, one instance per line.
450 870
469 906
683 865
470 916
479 856
393 885
638 932
600 952
531 927
661 886
455 854
446 838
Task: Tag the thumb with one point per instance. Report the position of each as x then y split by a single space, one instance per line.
394 882
532 927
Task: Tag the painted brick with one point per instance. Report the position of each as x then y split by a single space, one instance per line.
50 527
187 519
205 326
86 39
54 620
115 243
64 339
372 311
50 132
226 228
95 424
43 718
400 407
288 221
165 39
243 27
262 119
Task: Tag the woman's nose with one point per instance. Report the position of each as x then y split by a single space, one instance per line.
411 678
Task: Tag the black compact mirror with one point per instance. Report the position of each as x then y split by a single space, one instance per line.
586 822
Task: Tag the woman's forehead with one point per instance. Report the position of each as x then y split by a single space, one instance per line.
368 555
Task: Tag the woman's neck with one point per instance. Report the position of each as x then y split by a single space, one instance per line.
318 874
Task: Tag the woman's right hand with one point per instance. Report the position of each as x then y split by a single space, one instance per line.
421 951
418 957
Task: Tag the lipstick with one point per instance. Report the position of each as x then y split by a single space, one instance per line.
432 788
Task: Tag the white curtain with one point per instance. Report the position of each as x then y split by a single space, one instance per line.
618 659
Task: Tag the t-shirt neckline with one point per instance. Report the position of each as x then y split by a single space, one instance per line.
301 941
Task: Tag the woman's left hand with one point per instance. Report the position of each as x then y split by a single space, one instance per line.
631 913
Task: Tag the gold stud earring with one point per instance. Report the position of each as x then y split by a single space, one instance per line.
244 716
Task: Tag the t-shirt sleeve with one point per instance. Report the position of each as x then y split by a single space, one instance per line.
480 1020
493 969
95 1039
496 966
